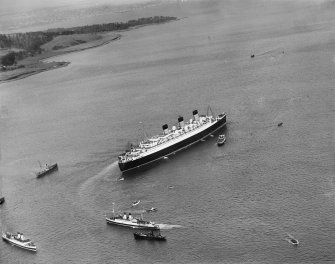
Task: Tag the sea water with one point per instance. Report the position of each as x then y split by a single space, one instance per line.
235 204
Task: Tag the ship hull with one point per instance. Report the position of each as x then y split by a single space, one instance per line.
126 166
30 248
51 169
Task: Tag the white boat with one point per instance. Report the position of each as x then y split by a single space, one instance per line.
19 240
130 221
135 203
152 209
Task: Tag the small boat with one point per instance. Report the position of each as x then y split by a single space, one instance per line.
19 240
135 203
293 241
47 169
2 200
152 209
252 56
221 140
151 235
280 124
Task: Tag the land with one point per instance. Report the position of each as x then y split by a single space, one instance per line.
58 46
30 53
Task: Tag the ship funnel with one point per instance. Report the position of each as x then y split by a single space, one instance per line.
195 114
165 128
181 122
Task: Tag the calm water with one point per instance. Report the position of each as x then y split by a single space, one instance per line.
234 204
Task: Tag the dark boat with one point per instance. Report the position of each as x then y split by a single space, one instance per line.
280 124
294 241
2 200
221 140
47 169
171 140
149 235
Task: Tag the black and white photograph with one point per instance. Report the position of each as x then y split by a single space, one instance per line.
167 131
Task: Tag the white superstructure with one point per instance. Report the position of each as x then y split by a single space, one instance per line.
19 240
169 137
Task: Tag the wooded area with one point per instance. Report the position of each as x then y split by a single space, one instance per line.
30 43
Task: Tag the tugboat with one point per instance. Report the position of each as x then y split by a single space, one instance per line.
221 140
19 240
130 221
170 141
151 235
47 169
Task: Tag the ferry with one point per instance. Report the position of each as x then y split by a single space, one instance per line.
19 240
171 140
130 221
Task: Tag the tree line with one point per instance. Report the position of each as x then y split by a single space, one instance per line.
30 42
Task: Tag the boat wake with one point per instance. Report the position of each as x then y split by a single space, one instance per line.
89 182
166 226
291 239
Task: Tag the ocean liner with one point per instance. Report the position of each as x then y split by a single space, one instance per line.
171 140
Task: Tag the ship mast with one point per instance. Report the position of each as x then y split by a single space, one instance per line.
210 109
143 130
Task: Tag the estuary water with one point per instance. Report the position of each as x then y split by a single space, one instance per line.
239 203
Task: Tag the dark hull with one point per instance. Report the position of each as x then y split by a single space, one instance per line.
2 200
139 236
52 168
172 149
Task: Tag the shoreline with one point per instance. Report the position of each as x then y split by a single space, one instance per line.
38 63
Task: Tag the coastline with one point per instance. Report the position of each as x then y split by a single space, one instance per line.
61 45
37 64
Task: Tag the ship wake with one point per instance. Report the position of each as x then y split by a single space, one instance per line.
90 181
167 227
